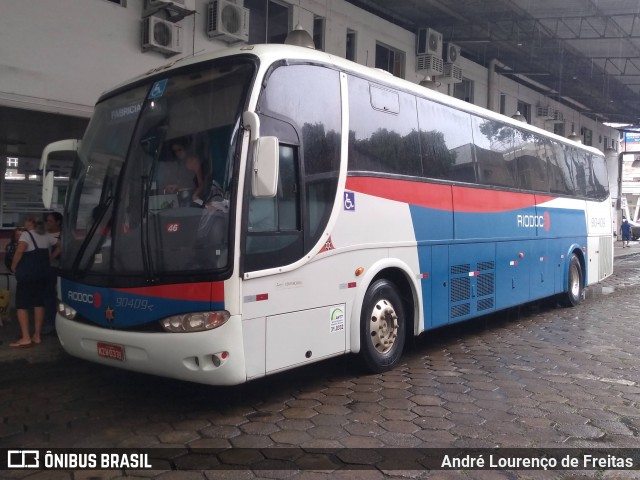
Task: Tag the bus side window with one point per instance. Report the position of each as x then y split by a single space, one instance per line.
493 143
383 130
445 141
279 213
582 172
274 234
600 177
530 160
559 170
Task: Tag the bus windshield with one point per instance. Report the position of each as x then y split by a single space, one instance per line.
151 190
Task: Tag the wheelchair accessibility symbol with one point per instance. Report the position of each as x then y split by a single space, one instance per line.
349 201
158 89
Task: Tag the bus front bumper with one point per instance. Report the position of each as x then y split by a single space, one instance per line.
214 357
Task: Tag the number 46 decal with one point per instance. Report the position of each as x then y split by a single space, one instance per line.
173 227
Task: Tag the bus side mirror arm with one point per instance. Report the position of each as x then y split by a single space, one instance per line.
266 157
47 177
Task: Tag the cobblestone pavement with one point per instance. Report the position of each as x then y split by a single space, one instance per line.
541 377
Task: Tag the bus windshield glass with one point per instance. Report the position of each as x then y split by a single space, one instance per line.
150 195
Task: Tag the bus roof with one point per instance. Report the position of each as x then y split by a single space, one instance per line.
270 53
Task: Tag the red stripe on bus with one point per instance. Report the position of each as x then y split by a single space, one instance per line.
442 197
200 292
416 193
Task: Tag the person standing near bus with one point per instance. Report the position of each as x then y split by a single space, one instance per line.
30 293
626 233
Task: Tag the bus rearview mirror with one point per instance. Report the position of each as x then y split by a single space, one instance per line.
47 189
71 145
264 183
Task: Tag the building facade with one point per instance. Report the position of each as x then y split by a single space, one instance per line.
57 57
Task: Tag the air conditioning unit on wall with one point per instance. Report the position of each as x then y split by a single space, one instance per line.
429 65
227 21
452 53
161 35
451 73
558 116
175 9
429 42
544 111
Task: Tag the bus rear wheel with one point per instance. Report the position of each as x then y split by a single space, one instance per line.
573 295
382 327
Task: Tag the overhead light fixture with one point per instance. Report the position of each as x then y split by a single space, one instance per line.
519 117
300 37
429 82
574 137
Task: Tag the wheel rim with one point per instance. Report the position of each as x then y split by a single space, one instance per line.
383 326
574 286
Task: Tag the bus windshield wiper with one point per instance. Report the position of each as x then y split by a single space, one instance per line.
146 180
102 209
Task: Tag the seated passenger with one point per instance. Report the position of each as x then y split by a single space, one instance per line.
187 177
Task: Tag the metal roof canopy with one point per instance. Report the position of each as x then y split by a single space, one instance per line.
582 53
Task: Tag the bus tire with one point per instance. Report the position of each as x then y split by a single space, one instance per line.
382 327
573 295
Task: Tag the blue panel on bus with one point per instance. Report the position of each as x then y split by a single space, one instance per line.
431 224
496 225
514 266
119 308
563 222
545 264
436 291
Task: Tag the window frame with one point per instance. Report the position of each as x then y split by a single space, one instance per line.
319 32
399 60
351 45
264 9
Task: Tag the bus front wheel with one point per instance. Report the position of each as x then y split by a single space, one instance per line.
573 295
382 327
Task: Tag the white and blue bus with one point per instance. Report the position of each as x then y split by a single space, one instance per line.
341 210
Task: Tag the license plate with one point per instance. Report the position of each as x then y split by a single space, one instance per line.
110 351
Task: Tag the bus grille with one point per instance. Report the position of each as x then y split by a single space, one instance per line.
460 310
460 269
485 284
460 289
486 266
462 281
485 304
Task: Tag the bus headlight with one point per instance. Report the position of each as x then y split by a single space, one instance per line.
66 311
195 322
